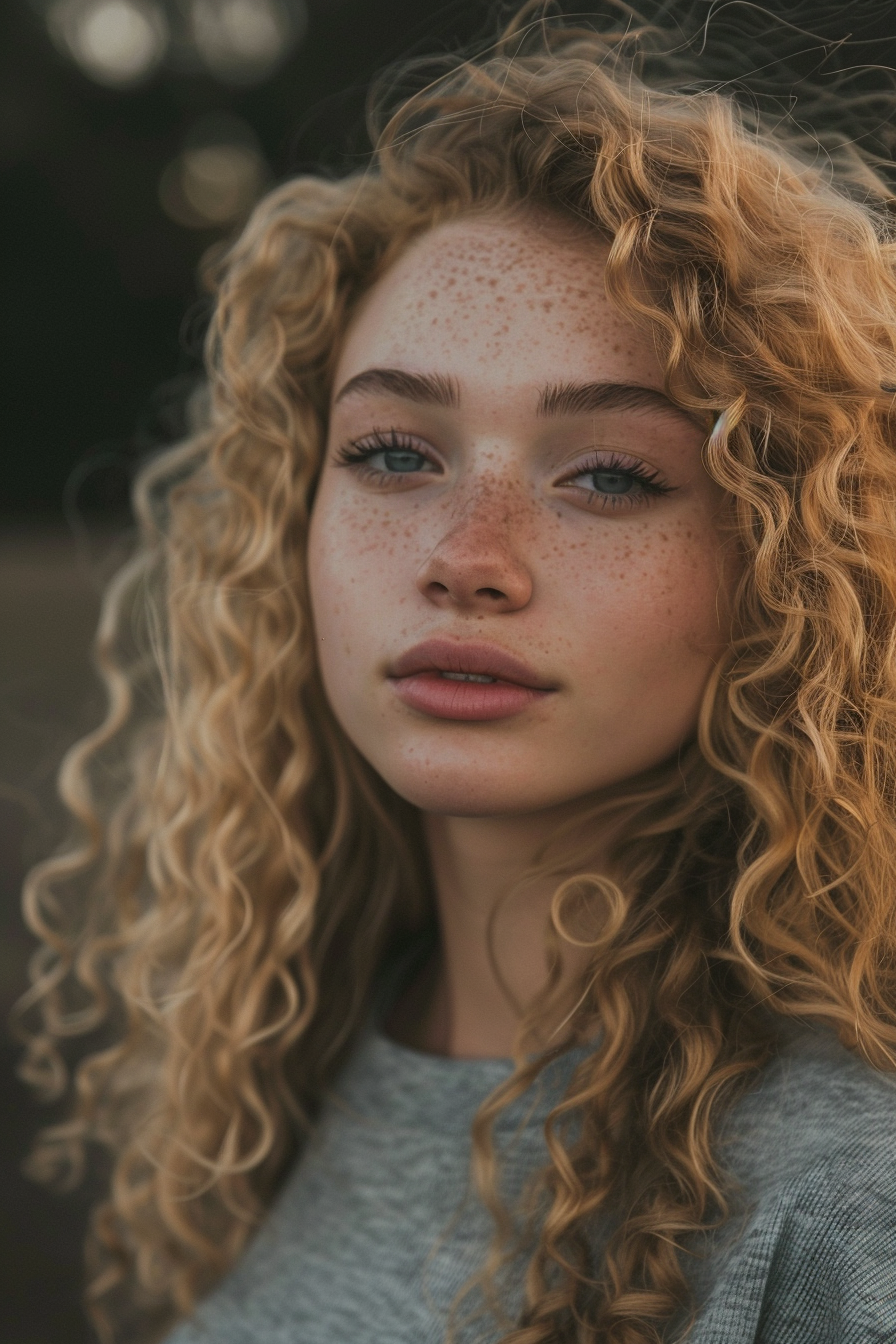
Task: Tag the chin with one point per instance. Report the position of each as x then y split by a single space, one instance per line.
466 793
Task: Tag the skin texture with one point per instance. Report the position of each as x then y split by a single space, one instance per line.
616 597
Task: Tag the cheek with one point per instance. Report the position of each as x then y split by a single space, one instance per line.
343 542
355 554
332 573
654 595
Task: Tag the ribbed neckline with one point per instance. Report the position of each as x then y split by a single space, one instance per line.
404 1088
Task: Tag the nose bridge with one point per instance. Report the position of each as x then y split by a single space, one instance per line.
479 558
492 506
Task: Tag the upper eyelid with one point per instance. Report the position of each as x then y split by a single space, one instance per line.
376 437
376 440
587 463
625 462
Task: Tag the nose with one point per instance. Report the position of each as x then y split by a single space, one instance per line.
476 567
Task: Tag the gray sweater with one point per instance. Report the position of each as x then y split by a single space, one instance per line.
375 1229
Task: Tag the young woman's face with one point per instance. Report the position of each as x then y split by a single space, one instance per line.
515 563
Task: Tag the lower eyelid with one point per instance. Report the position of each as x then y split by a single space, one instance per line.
646 482
637 482
640 496
370 469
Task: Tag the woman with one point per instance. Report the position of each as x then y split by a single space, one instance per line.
499 772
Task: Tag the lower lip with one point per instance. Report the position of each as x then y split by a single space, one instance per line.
474 701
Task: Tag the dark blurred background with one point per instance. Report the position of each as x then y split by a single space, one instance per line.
135 135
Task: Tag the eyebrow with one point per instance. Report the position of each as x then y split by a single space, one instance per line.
557 399
585 398
433 389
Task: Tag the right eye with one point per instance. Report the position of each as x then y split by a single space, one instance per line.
399 459
385 454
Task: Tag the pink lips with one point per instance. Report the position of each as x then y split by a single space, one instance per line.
429 678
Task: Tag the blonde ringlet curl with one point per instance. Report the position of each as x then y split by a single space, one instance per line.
240 871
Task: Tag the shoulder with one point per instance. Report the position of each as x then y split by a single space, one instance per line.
815 1103
810 1252
815 1140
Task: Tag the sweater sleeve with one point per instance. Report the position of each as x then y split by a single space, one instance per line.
832 1276
816 1265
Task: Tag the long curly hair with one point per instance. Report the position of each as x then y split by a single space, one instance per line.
241 873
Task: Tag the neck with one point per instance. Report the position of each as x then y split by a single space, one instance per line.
467 1004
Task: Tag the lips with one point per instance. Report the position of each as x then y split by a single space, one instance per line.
465 681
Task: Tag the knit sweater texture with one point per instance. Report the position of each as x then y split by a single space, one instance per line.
377 1226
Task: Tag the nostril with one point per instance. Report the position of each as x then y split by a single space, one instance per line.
494 593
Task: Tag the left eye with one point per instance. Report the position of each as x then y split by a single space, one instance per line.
609 482
614 482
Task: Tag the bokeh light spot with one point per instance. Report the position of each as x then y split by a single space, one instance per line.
115 42
217 178
242 40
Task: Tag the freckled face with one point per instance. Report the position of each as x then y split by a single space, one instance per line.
477 505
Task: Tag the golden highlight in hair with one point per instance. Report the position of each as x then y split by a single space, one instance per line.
241 872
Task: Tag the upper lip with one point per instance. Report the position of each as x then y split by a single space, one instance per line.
449 655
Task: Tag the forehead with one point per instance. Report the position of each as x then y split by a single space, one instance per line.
501 300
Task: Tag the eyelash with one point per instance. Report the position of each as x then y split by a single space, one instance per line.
357 453
649 481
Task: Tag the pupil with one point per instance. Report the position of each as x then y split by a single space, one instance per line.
611 482
402 459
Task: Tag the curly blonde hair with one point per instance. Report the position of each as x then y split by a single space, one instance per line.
242 873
